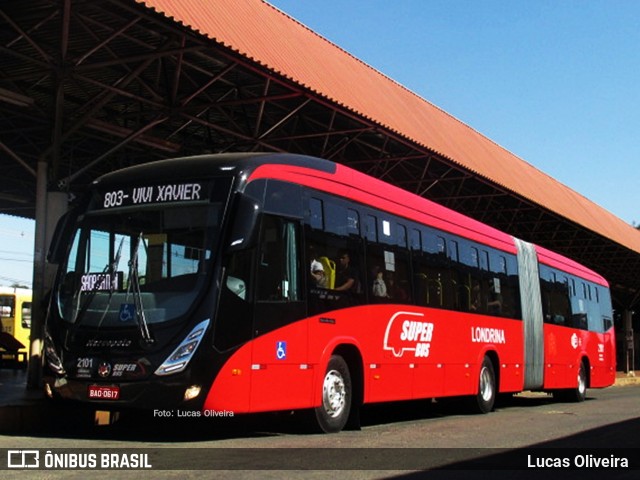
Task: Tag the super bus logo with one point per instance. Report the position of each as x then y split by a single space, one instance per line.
406 332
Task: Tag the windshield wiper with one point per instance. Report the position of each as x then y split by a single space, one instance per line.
134 288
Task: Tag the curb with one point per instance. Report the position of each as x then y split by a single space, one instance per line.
627 380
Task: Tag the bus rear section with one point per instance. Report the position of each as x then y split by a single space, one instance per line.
578 331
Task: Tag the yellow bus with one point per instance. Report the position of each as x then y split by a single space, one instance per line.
15 313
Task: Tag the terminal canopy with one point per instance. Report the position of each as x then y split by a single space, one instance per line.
88 87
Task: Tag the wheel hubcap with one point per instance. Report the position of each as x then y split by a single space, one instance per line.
486 386
333 393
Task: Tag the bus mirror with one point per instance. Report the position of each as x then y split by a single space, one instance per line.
244 223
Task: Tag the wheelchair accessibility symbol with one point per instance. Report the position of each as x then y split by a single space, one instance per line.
281 350
127 312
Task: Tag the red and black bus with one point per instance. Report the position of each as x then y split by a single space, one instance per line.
264 282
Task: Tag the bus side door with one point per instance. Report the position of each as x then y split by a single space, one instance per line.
280 375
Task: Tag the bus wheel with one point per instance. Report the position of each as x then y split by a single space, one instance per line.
333 413
484 400
579 393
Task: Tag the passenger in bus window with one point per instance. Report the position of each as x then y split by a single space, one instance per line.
379 288
318 275
346 275
475 302
396 291
494 303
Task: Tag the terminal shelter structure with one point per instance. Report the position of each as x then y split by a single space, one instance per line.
90 86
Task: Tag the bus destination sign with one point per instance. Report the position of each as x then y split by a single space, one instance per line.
153 194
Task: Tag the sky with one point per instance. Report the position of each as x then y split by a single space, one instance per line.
16 251
554 82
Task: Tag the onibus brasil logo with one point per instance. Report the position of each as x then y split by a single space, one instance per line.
406 332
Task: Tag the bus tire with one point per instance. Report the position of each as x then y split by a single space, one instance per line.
336 396
579 393
485 399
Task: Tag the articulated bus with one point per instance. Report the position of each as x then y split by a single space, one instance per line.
15 315
268 282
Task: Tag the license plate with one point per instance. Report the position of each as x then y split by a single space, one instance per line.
102 392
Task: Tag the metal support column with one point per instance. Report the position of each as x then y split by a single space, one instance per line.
628 348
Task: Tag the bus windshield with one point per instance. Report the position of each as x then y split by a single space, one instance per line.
138 266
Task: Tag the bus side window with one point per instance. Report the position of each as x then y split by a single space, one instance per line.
401 236
555 293
388 276
7 306
279 263
371 228
456 290
502 285
26 315
416 240
353 222
431 271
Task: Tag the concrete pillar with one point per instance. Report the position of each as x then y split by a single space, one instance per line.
50 206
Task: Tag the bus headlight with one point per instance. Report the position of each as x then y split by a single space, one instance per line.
180 357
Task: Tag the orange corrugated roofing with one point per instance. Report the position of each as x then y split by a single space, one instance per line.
261 32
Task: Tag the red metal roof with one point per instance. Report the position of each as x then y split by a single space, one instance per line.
266 35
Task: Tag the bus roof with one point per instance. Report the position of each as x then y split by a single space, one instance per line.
364 189
367 190
211 165
340 180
